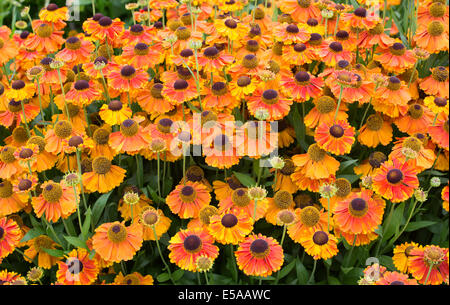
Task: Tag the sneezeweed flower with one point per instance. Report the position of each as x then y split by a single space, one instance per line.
54 137
324 112
83 92
376 130
26 155
413 148
35 274
417 119
36 247
231 28
401 255
115 112
259 255
282 200
290 33
300 10
286 217
131 138
7 278
187 245
396 58
104 176
432 37
56 201
179 91
332 52
439 131
429 265
307 218
45 40
327 190
153 222
437 83
393 98
77 51
187 200
77 268
100 146
319 244
359 213
230 227
127 78
395 278
283 177
11 201
204 263
316 163
395 181
303 86
20 90
10 236
151 100
436 104
116 242
134 278
52 13
337 138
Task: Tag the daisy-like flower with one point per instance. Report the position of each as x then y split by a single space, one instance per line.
324 112
141 55
153 222
359 213
220 152
332 51
359 19
375 36
9 165
300 10
56 200
337 138
271 100
392 99
44 159
104 28
115 242
436 104
432 37
187 245
282 200
151 99
395 278
20 90
439 131
298 54
316 163
259 255
115 112
430 264
401 255
214 60
127 78
283 180
424 157
230 227
36 247
187 200
54 14
7 277
319 244
307 218
83 92
8 47
12 201
417 119
134 278
376 130
138 33
231 28
242 87
179 91
104 176
131 138
45 40
239 199
437 82
10 236
76 52
54 137
290 33
303 86
396 58
395 181
342 191
77 268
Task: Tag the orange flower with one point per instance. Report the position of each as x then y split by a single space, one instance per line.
324 112
220 152
439 131
393 98
432 36
127 78
8 47
230 227
76 52
240 200
337 138
332 51
179 91
77 269
187 245
138 33
359 19
83 92
104 28
395 278
187 200
424 158
115 112
141 55
307 218
298 54
212 59
9 165
426 258
115 242
316 163
436 83
56 200
376 130
417 119
277 106
131 138
134 278
359 213
10 236
395 181
319 244
46 40
54 14
259 255
290 33
302 87
151 100
396 58
12 201
300 10
104 176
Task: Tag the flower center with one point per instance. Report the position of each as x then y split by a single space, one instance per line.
229 220
141 49
240 197
219 88
336 131
136 29
206 213
309 216
183 33
25 153
315 39
211 52
283 199
270 97
250 61
192 243
342 35
18 84
52 192
164 125
39 141
394 176
292 29
44 31
302 78
397 283
101 165
436 28
440 101
377 30
312 22
415 111
127 71
75 141
131 279
344 187
186 53
6 189
304 3
230 23
180 84
316 153
243 81
24 184
115 105
440 74
360 12
117 233
42 242
129 128
252 46
259 14
376 159
74 266
358 207
413 143
437 9
73 43
259 248
374 122
336 47
325 104
397 49
188 194
101 136
394 83
63 129
288 167
195 173
320 238
150 217
156 91
277 48
52 7
105 21
97 17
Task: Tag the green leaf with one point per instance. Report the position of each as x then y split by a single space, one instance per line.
54 252
245 179
397 219
285 271
178 274
346 269
333 281
346 164
32 233
86 224
163 277
413 226
75 241
302 273
350 178
99 206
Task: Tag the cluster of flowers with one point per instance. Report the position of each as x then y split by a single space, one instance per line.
80 104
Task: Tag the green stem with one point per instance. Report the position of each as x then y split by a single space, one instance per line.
160 254
206 278
428 274
105 87
93 7
349 256
412 73
328 213
254 211
40 99
313 271
63 93
406 224
234 262
385 227
25 119
158 173
339 103
78 153
78 207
